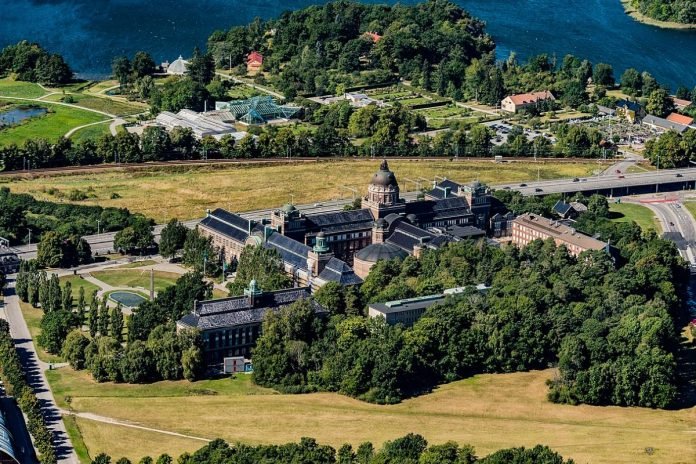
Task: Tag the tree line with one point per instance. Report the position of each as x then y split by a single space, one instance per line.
32 63
16 385
22 215
409 449
680 11
608 322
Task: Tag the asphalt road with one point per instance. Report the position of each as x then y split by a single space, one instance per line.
34 369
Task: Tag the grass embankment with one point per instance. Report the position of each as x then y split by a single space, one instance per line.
104 104
186 192
19 89
628 212
136 279
487 411
640 17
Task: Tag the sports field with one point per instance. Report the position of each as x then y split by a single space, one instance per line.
487 411
186 192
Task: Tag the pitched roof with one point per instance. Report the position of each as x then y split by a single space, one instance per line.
255 57
338 271
326 220
681 103
562 208
664 123
290 250
526 98
558 231
633 106
239 310
680 119
228 224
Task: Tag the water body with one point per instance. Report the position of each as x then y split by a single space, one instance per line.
90 32
19 114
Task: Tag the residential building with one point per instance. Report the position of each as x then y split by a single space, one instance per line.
680 119
663 125
515 103
373 36
629 111
254 62
230 326
564 210
529 227
680 103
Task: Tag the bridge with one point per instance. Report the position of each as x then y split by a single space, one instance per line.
612 185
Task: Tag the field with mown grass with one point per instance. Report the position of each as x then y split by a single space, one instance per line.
629 212
51 126
19 89
32 316
489 411
135 278
105 104
186 192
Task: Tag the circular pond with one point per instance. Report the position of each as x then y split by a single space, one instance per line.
128 299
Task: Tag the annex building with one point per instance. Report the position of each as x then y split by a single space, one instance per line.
257 110
230 326
529 227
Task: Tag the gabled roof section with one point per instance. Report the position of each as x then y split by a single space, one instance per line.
291 251
340 218
228 224
339 272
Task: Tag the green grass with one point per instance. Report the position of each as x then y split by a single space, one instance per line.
136 279
33 316
76 282
18 89
91 132
75 434
137 264
53 125
101 103
629 212
691 207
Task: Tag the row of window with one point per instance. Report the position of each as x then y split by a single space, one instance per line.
230 337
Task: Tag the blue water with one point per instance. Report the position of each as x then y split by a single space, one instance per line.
127 299
19 114
90 32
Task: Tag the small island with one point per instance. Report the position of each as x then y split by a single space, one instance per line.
676 18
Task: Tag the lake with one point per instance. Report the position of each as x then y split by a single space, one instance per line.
90 32
19 114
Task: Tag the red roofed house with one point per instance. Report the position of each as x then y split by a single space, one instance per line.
375 37
680 119
254 62
515 103
680 103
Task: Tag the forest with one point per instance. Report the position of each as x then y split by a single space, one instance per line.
607 321
680 11
30 62
316 49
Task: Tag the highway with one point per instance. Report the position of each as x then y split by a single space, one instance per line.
618 183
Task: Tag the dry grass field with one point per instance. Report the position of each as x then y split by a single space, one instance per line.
186 192
487 411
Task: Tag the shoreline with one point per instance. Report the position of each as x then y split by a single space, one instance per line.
647 20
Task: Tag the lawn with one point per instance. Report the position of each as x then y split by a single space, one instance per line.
489 411
76 282
19 89
33 316
136 278
101 103
51 126
629 212
186 192
691 207
91 132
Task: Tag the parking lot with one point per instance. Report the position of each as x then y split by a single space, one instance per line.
502 131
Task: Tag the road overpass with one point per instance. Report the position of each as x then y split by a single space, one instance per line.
618 184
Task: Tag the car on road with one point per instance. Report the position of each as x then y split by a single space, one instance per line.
523 185
671 224
618 171
678 175
622 177
538 189
576 180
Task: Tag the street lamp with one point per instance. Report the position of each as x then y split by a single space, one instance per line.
98 223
